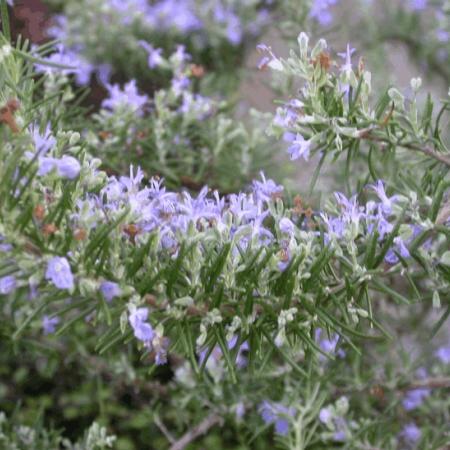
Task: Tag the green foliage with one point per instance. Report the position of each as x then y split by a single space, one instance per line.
297 315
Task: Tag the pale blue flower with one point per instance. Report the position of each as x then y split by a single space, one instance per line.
347 56
443 354
154 58
43 142
142 330
46 165
68 167
320 11
286 226
414 398
7 284
59 273
418 5
109 290
49 324
411 433
299 148
277 414
126 97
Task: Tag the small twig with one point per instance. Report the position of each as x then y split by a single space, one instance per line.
197 431
429 152
160 424
366 133
444 213
432 383
380 389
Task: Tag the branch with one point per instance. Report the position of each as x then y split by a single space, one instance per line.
160 424
197 431
379 389
432 383
366 134
429 152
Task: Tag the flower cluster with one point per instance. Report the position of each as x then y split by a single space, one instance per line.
88 30
179 133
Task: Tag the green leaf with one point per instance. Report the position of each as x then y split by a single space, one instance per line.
5 20
220 336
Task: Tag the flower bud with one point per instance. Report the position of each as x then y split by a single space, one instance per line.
74 138
303 41
416 83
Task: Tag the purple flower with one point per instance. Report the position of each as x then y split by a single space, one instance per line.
59 273
300 146
328 417
160 346
263 62
42 142
278 414
414 398
231 21
347 56
103 72
214 356
418 5
84 70
240 410
142 330
266 190
74 62
4 246
179 84
340 436
352 212
49 324
287 116
285 259
442 35
269 59
46 165
286 226
154 54
109 290
34 292
68 167
386 202
128 97
320 11
174 14
399 247
328 345
59 29
192 103
383 226
7 284
325 415
241 360
234 30
181 55
411 433
443 354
